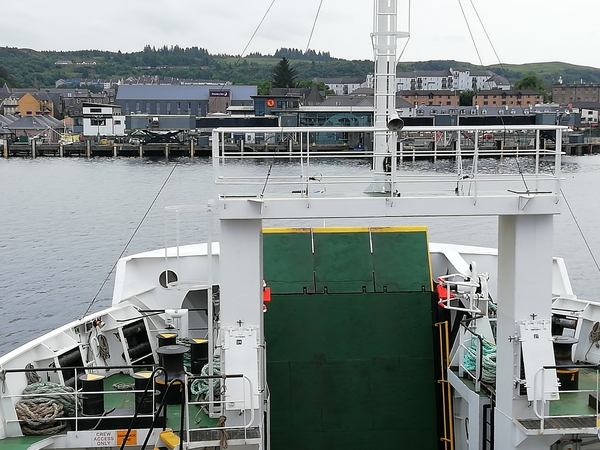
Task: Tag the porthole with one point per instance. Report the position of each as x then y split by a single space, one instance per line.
168 276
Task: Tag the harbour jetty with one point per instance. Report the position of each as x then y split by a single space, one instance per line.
412 149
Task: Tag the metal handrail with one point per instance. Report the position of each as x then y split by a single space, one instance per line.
540 400
471 178
77 393
478 356
245 426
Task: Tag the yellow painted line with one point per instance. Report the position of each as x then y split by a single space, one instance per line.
93 376
341 230
285 230
407 229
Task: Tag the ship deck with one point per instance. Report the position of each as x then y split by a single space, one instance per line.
124 400
572 413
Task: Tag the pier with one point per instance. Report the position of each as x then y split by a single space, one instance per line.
414 150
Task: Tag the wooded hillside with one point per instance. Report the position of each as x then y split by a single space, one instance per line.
30 68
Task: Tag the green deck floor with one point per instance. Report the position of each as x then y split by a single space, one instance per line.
576 403
570 403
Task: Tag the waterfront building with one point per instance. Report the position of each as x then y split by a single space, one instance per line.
455 79
102 120
196 100
343 85
498 97
571 93
431 98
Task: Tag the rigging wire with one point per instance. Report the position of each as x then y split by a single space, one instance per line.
237 62
488 38
307 47
262 193
470 31
481 64
313 27
522 176
254 34
580 230
130 239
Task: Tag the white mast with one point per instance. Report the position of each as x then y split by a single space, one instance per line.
384 38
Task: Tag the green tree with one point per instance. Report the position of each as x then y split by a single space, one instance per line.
534 83
263 87
283 76
466 98
320 86
5 77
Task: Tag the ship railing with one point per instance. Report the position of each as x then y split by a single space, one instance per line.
78 396
311 170
472 349
243 404
577 400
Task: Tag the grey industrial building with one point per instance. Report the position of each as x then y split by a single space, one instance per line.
192 100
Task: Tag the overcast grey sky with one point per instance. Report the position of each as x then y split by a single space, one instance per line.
521 31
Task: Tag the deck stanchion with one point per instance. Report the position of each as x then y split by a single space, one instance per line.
5 153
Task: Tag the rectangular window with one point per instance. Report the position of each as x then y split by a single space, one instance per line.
168 107
96 110
147 107
259 107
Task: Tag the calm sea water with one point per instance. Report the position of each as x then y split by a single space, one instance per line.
65 222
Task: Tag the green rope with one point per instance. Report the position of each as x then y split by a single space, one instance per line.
44 403
199 387
47 391
187 358
488 360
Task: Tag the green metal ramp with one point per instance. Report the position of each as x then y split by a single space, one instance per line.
351 367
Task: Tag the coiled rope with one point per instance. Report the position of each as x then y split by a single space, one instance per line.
187 358
45 403
594 337
488 360
40 419
103 348
32 377
199 387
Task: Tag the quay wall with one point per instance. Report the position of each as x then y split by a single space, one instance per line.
89 149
